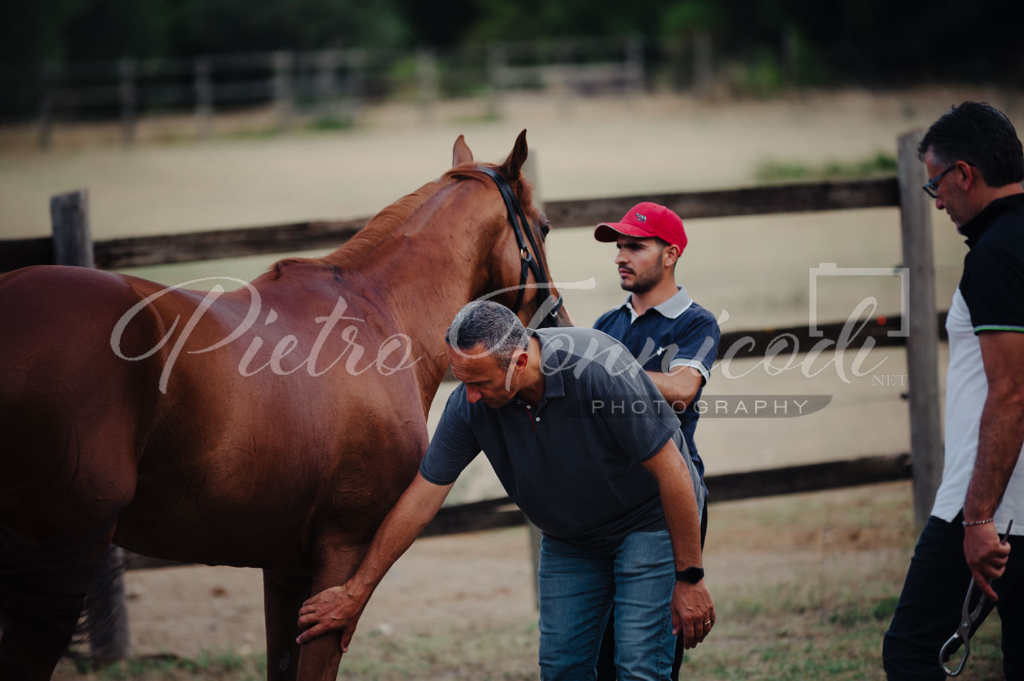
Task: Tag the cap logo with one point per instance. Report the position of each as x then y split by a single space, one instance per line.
641 217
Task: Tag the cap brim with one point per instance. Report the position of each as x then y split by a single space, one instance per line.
610 231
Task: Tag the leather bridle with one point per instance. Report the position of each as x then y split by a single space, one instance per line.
529 263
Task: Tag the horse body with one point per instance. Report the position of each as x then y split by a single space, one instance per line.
270 426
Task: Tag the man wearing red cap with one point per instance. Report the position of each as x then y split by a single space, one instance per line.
673 338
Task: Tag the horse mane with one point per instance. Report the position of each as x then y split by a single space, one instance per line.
377 228
381 225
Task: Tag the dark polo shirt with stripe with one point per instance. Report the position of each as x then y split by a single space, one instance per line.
573 462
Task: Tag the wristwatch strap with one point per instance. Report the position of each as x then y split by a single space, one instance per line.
690 575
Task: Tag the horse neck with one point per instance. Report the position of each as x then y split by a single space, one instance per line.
428 269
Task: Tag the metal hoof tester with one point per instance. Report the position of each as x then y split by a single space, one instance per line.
963 632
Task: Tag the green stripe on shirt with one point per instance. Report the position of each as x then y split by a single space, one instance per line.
995 327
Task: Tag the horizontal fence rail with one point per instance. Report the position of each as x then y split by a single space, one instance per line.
500 513
113 254
786 198
747 344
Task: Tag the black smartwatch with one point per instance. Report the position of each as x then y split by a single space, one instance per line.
690 575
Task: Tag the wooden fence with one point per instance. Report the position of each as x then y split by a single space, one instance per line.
332 85
71 245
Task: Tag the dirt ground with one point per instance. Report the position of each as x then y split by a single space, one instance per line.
484 580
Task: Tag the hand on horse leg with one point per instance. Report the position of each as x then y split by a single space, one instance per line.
329 629
337 608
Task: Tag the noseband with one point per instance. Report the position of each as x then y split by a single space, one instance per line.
529 263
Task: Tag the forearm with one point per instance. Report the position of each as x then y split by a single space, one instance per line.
679 386
683 520
693 612
1000 438
413 512
675 486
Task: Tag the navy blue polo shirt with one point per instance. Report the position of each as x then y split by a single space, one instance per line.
573 462
676 333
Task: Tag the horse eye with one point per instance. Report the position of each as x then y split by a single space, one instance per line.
545 228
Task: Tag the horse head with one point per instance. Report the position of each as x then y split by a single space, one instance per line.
518 275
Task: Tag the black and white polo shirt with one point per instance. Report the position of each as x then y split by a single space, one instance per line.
990 298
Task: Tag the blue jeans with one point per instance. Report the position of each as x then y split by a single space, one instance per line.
929 607
577 590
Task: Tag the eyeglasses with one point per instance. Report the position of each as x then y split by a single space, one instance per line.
931 186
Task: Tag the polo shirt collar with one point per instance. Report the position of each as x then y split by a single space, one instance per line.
553 384
980 223
670 309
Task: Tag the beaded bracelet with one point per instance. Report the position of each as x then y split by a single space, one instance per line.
971 523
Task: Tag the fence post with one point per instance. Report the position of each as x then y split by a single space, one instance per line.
326 84
566 77
923 342
703 64
495 77
635 65
426 83
72 243
530 171
791 55
107 624
357 61
204 97
47 74
126 68
283 88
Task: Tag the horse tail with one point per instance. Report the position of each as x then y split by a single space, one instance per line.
103 622
41 601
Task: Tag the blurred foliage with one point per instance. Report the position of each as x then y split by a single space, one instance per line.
790 171
869 41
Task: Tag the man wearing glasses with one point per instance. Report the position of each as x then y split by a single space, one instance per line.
976 165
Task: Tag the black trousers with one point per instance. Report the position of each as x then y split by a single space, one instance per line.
933 594
606 657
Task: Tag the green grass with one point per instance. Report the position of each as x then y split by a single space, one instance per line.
330 123
484 118
880 163
842 640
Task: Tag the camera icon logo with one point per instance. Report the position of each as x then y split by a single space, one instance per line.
829 269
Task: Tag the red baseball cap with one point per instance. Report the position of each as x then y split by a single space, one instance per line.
645 220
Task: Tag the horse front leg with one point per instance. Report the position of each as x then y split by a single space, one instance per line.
321 657
283 595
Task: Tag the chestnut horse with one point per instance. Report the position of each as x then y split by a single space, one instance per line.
271 426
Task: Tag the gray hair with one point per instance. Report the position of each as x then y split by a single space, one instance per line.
488 323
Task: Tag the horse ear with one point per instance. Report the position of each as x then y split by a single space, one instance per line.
461 152
513 165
